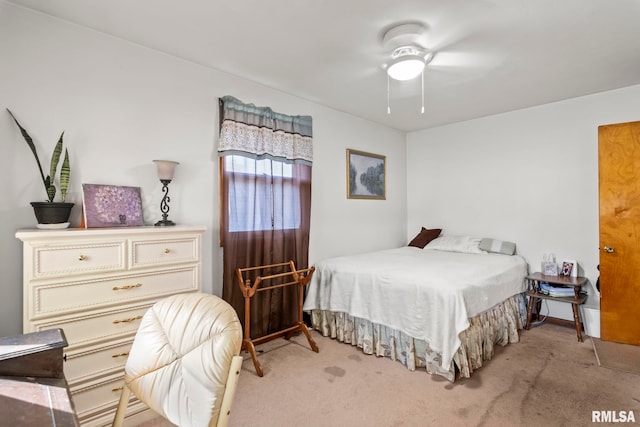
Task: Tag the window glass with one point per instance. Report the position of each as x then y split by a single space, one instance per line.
262 195
241 164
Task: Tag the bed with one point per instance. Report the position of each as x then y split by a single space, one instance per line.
442 307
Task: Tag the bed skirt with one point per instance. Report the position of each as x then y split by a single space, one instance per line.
498 325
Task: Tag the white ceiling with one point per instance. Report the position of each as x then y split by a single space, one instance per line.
492 56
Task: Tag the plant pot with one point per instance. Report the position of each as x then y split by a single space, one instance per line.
52 214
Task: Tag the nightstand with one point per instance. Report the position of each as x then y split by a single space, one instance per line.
533 281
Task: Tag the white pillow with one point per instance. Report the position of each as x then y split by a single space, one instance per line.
466 244
497 246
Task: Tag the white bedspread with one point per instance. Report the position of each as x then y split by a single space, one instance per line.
427 294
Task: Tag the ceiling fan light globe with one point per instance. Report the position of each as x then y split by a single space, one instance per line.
406 67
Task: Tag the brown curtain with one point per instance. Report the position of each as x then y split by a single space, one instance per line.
266 204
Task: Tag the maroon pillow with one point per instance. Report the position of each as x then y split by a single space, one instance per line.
424 237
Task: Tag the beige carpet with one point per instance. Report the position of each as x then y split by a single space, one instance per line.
548 379
618 356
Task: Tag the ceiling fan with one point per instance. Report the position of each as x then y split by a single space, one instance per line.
407 53
408 57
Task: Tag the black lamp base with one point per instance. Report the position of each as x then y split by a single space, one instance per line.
164 205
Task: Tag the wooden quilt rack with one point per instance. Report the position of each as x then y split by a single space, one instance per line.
298 278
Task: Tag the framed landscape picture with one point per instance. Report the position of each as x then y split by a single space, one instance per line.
365 175
111 206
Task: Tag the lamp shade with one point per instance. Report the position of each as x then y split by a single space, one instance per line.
165 169
406 67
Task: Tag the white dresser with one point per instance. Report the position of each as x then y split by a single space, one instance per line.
96 284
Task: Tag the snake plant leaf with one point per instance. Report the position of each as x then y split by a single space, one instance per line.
65 173
51 189
51 192
55 159
29 142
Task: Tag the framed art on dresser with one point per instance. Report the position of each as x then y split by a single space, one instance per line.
111 206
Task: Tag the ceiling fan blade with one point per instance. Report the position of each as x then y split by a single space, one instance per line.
465 60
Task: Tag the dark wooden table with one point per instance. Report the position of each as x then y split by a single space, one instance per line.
33 389
534 280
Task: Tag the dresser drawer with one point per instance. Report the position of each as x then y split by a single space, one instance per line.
51 261
99 396
54 299
149 253
91 329
137 414
87 364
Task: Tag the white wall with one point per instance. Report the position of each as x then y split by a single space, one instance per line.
528 176
122 105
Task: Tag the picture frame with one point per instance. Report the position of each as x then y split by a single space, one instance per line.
111 206
569 267
366 175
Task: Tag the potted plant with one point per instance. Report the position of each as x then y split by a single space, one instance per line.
51 214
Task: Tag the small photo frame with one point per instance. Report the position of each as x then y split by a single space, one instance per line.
366 175
569 267
111 206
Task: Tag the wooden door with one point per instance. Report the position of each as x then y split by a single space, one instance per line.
619 186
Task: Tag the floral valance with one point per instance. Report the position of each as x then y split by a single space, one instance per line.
261 133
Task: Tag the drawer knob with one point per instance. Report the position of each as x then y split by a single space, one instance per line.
118 288
130 319
126 353
167 250
116 388
82 257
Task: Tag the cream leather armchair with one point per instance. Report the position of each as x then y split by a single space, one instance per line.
184 362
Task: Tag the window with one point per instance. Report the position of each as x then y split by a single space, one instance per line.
265 184
262 194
